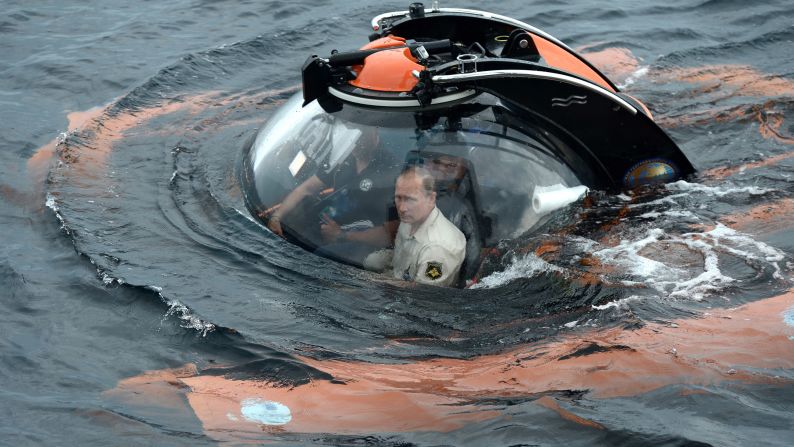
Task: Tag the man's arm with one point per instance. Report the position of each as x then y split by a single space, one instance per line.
438 266
312 186
380 236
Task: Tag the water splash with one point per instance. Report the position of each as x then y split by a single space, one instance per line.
524 267
716 191
189 321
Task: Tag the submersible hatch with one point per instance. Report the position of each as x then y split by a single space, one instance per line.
510 121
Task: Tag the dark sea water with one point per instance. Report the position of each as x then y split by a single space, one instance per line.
126 246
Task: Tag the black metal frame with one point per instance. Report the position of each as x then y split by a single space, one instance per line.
609 130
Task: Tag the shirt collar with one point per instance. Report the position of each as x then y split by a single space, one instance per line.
421 232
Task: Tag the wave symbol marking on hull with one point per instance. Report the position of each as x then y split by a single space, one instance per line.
565 102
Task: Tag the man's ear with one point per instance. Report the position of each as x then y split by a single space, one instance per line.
433 196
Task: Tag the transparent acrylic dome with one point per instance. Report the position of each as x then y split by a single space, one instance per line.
487 160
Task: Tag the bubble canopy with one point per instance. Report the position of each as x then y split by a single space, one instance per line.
308 166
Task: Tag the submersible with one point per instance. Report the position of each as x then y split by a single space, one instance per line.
511 122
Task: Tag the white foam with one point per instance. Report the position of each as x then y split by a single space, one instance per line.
189 321
742 245
617 304
524 267
685 189
666 200
646 261
665 278
584 244
626 255
50 203
722 231
717 191
108 279
670 213
711 280
666 274
680 282
638 74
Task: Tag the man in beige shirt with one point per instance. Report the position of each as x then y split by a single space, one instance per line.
428 248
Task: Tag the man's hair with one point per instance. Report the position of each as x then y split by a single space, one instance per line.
428 181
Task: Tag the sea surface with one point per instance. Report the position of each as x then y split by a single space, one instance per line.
142 305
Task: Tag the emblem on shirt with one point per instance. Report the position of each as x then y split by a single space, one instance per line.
433 270
365 184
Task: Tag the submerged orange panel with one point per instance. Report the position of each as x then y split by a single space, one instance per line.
560 58
388 71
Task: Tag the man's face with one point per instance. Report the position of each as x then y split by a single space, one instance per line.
446 168
413 204
367 144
